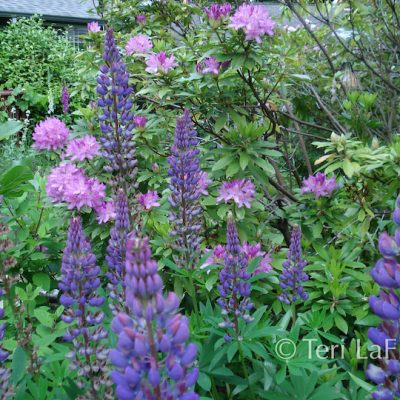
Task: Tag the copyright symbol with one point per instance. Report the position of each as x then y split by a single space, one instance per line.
285 349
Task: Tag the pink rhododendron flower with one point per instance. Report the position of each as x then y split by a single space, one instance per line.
140 121
67 183
209 66
138 44
254 20
203 183
105 212
240 191
50 134
216 12
249 250
149 200
141 18
319 185
155 167
84 148
159 62
93 27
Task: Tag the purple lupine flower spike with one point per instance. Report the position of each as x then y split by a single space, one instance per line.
152 359
185 176
234 287
293 276
116 253
387 306
79 283
65 99
116 119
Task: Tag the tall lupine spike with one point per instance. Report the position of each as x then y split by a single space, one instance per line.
79 283
116 253
65 98
234 287
293 276
152 359
116 119
185 176
386 274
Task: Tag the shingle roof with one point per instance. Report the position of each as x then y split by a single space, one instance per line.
52 9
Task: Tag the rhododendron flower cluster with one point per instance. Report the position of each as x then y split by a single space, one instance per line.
387 306
141 18
293 276
93 27
240 191
319 185
185 176
84 148
105 212
251 251
68 183
140 121
152 359
203 183
148 200
209 65
159 62
254 20
79 283
216 12
50 134
234 287
138 44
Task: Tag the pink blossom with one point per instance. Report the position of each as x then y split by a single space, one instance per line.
216 12
251 250
141 18
67 183
155 167
265 265
50 134
203 183
319 185
159 62
138 44
209 66
93 27
139 121
83 148
105 212
240 191
254 20
149 200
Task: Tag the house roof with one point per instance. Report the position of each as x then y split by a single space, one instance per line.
52 10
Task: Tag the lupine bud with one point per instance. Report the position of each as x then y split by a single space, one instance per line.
152 358
116 119
386 273
79 283
234 287
185 175
292 275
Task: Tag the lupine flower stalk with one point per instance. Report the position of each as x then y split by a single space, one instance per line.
116 119
65 98
234 287
293 276
79 283
152 359
385 273
185 176
116 253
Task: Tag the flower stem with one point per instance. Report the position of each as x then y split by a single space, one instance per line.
245 372
293 307
193 295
